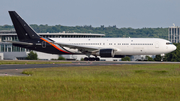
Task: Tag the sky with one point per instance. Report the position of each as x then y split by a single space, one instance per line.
122 13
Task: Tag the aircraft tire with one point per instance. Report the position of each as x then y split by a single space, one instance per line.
91 59
86 59
97 59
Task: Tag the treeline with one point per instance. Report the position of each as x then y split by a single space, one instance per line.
6 27
111 31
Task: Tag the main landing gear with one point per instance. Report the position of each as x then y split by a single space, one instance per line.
91 59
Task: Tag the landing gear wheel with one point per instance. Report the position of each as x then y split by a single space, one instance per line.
97 59
91 59
86 59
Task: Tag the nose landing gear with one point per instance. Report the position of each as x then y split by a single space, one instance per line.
162 56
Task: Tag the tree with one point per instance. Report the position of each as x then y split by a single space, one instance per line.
82 59
149 58
125 58
32 56
61 58
157 58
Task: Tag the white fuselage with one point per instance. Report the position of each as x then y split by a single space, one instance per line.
123 46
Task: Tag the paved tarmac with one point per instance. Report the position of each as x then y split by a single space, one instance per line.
11 70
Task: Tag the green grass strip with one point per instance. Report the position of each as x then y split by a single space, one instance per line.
159 82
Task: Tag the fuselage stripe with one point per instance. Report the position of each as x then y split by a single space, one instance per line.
54 46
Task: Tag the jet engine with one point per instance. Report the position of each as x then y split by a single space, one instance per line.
105 53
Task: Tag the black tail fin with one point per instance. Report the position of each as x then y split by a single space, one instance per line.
23 30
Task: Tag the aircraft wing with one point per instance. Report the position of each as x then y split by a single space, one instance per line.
81 48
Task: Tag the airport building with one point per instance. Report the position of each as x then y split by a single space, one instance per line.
174 34
10 52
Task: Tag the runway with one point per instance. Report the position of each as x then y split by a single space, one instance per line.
12 70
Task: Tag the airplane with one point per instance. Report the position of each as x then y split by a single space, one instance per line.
97 47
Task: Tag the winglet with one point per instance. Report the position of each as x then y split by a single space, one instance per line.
23 30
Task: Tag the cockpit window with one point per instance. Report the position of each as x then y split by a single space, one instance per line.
168 43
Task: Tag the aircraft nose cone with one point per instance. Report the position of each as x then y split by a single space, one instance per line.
174 47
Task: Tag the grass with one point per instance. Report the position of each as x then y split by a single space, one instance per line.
97 83
30 62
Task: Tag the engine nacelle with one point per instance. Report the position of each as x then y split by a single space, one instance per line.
106 53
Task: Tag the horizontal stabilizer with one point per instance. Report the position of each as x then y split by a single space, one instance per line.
18 42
